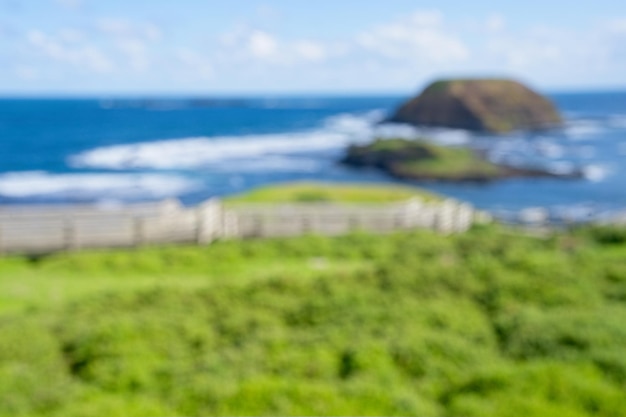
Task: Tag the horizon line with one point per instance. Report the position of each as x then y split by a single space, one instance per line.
260 94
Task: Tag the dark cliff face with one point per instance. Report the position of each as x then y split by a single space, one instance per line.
496 106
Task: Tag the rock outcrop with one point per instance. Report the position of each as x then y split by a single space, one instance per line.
486 105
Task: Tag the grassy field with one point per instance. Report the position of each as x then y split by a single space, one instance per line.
489 323
60 279
312 192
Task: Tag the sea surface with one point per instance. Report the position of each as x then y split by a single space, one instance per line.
120 150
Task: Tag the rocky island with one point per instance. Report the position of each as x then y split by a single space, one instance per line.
422 160
484 105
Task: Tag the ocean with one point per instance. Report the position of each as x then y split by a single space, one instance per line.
121 150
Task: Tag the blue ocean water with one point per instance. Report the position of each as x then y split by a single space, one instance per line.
102 150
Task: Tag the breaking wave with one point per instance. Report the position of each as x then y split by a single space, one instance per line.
93 186
584 129
195 152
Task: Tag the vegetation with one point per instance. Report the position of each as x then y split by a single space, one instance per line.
313 192
489 105
489 323
422 160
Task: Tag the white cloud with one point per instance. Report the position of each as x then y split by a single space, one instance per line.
617 26
119 27
70 4
71 35
266 12
262 45
81 55
393 54
495 23
195 63
414 45
423 37
136 53
526 52
542 50
249 44
311 50
26 72
426 45
132 39
126 28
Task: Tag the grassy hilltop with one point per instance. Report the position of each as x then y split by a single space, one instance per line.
313 192
490 323
486 105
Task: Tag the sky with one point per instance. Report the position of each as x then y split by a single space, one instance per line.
235 47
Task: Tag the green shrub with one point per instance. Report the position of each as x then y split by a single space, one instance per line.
33 374
536 389
485 324
564 333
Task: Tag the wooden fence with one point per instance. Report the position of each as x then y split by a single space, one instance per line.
336 219
44 229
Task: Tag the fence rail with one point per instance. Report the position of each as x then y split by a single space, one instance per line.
43 229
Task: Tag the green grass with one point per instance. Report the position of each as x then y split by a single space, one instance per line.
449 163
312 192
489 323
420 159
63 278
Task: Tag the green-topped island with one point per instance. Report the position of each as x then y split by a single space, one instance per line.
423 160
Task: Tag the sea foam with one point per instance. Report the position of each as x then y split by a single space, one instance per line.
618 121
187 153
93 186
197 152
596 173
584 129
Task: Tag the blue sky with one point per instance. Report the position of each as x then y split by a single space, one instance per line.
290 47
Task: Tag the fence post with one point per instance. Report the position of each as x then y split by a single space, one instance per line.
307 223
208 224
465 214
230 224
217 223
399 220
1 240
139 231
69 234
443 219
425 216
200 225
411 212
355 223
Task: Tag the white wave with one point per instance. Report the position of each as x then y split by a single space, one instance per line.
133 186
447 137
596 173
561 167
188 153
198 152
351 124
277 103
586 152
273 163
400 131
514 151
549 149
583 129
617 121
576 212
621 148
